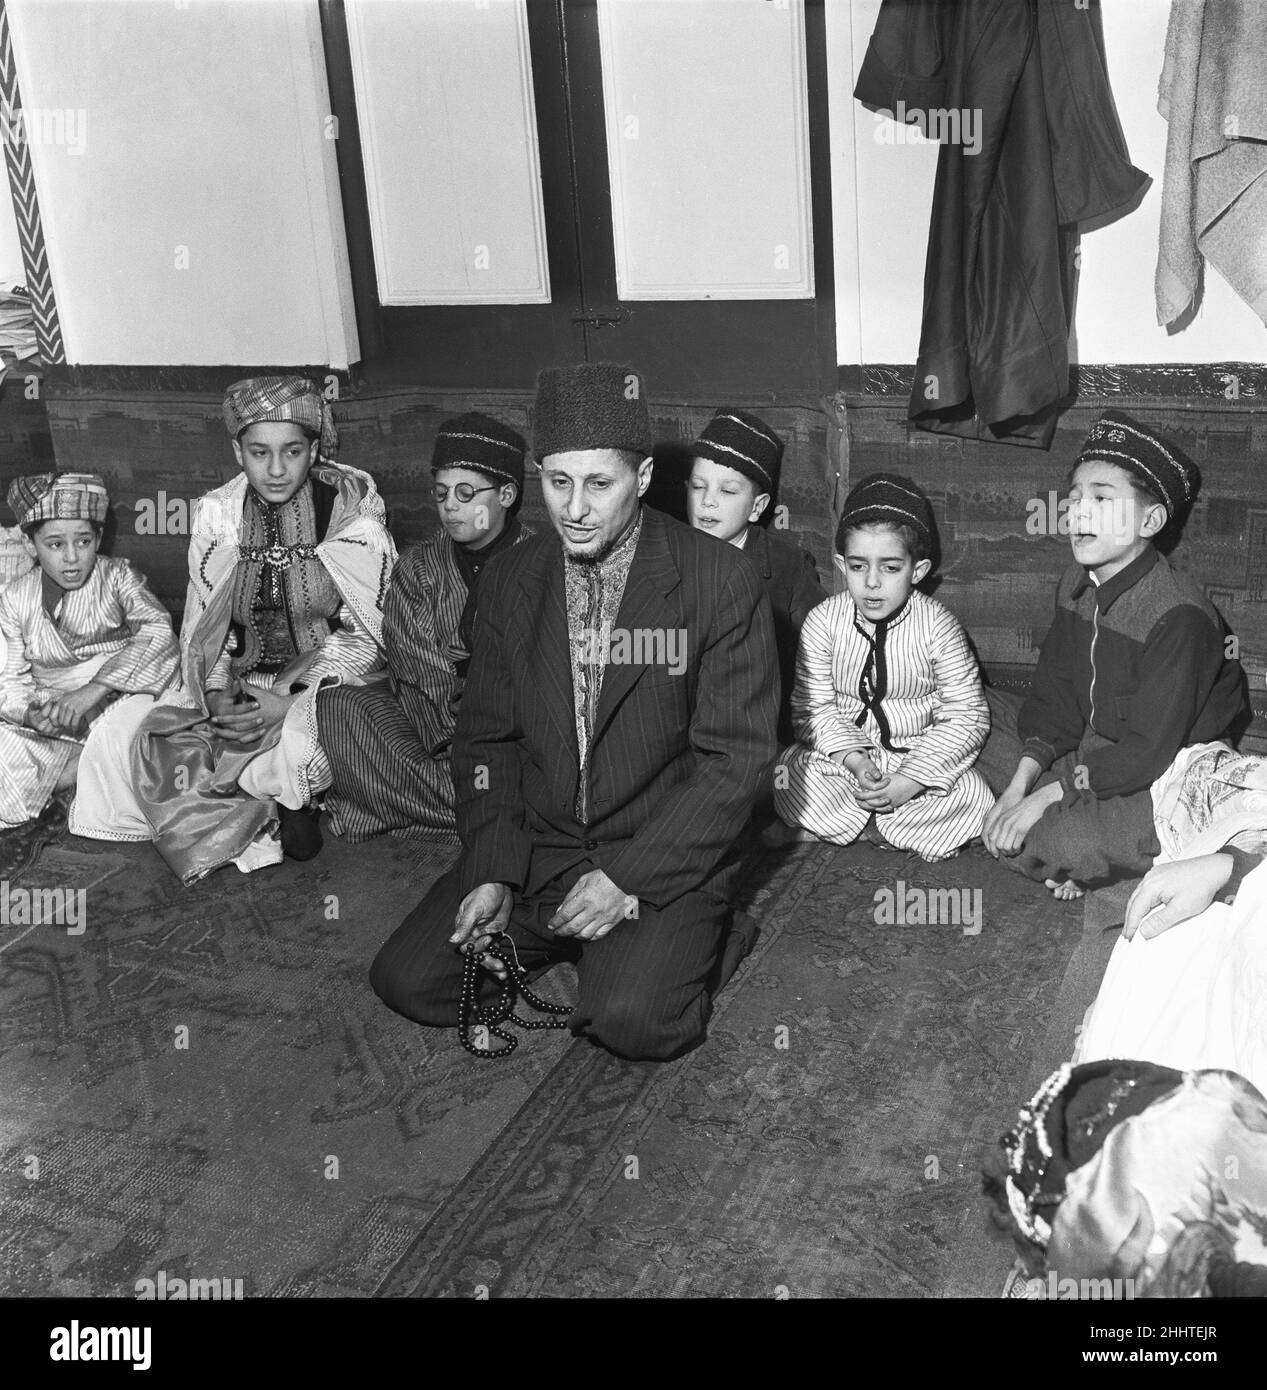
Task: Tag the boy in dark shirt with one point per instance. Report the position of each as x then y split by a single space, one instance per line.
734 473
1134 668
389 744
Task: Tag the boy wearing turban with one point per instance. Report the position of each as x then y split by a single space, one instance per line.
81 632
616 725
389 743
289 566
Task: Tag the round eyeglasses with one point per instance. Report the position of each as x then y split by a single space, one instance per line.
463 491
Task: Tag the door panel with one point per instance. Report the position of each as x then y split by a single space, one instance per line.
456 217
739 349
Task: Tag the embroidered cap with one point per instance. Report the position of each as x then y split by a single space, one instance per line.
59 497
1167 472
480 442
742 442
891 498
260 399
1064 1126
593 405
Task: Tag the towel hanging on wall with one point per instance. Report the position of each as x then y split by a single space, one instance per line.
1213 93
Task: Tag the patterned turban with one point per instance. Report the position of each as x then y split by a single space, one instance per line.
59 497
267 398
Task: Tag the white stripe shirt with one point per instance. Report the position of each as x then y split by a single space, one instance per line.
934 703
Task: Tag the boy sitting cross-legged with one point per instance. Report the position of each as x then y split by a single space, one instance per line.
1134 668
389 744
888 704
80 632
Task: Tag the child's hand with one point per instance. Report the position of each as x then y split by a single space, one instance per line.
251 720
72 711
37 718
222 702
858 765
995 817
272 707
1013 826
226 701
235 716
897 791
871 786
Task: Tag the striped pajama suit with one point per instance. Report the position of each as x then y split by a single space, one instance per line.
937 719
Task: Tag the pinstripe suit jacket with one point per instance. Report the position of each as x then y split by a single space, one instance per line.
676 761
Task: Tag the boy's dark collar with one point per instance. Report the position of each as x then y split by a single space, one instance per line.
1112 589
470 562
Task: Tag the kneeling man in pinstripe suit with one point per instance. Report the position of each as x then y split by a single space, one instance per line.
617 724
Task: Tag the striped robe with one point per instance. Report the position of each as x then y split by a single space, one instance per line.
388 743
934 706
169 777
112 630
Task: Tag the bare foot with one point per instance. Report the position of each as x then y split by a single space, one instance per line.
1066 891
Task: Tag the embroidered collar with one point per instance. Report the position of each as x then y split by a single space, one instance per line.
619 557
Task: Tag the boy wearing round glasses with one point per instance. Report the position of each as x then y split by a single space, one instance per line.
388 744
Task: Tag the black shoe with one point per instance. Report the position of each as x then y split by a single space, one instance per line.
740 937
300 831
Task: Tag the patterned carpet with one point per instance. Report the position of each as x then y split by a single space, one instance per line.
202 1083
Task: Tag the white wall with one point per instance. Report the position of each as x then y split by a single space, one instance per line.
882 200
203 127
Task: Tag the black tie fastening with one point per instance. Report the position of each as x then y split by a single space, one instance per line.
873 684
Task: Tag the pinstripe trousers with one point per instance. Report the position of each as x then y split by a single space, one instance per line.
646 988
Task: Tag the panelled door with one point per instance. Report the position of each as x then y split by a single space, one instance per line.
528 182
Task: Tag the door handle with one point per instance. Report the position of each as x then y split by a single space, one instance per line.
600 320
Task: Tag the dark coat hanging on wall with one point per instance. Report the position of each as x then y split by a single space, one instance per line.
1000 273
